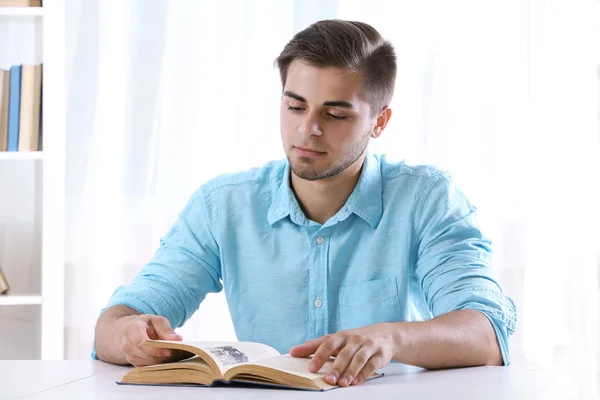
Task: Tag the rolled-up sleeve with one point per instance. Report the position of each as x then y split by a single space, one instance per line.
184 268
454 261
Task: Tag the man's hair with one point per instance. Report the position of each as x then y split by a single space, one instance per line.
352 45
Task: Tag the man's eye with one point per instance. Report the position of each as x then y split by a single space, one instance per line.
295 108
336 117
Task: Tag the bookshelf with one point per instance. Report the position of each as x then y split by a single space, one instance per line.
32 189
21 155
22 11
20 300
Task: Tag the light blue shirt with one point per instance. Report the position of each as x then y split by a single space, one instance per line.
406 246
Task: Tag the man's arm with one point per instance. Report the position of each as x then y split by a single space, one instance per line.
454 265
170 288
457 339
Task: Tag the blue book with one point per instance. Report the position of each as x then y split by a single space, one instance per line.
14 108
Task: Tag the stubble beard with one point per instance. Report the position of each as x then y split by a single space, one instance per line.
305 168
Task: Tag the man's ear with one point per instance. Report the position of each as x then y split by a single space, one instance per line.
381 122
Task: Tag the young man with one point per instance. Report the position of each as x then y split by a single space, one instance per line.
334 251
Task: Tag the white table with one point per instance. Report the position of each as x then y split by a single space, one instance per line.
22 378
96 380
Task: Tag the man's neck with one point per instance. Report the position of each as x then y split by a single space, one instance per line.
322 199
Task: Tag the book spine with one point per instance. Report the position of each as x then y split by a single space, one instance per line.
31 86
14 108
4 90
41 111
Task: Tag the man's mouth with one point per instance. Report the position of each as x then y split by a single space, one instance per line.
308 152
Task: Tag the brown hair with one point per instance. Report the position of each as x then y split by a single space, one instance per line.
353 45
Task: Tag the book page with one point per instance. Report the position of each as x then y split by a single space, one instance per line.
229 354
296 366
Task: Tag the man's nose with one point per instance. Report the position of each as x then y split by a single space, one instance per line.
311 125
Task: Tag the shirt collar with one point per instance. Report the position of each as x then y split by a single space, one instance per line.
285 202
366 200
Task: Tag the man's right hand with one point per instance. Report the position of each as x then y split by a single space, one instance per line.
137 328
121 329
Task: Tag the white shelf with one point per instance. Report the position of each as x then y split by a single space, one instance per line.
21 11
21 155
19 300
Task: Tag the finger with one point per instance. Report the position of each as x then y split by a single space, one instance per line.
135 334
162 328
357 381
160 356
141 361
356 365
153 355
328 348
132 348
343 359
370 367
307 348
135 355
147 351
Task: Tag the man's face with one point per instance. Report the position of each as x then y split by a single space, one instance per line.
325 125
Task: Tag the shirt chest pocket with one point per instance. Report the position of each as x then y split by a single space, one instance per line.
369 303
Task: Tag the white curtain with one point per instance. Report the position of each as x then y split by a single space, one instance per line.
165 95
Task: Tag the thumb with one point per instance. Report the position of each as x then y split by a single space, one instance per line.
307 348
162 328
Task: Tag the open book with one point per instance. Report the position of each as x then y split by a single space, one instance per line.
212 363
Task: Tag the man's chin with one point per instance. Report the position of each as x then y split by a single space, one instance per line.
309 169
307 175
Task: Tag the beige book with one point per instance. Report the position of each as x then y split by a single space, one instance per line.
215 363
3 283
29 123
20 3
4 99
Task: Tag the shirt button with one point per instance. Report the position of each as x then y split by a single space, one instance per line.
320 240
318 303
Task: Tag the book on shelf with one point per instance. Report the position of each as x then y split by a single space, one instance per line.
20 108
226 363
20 3
31 90
3 283
14 105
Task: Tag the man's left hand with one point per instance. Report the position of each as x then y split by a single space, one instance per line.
358 353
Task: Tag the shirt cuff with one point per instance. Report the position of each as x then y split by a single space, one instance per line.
503 320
